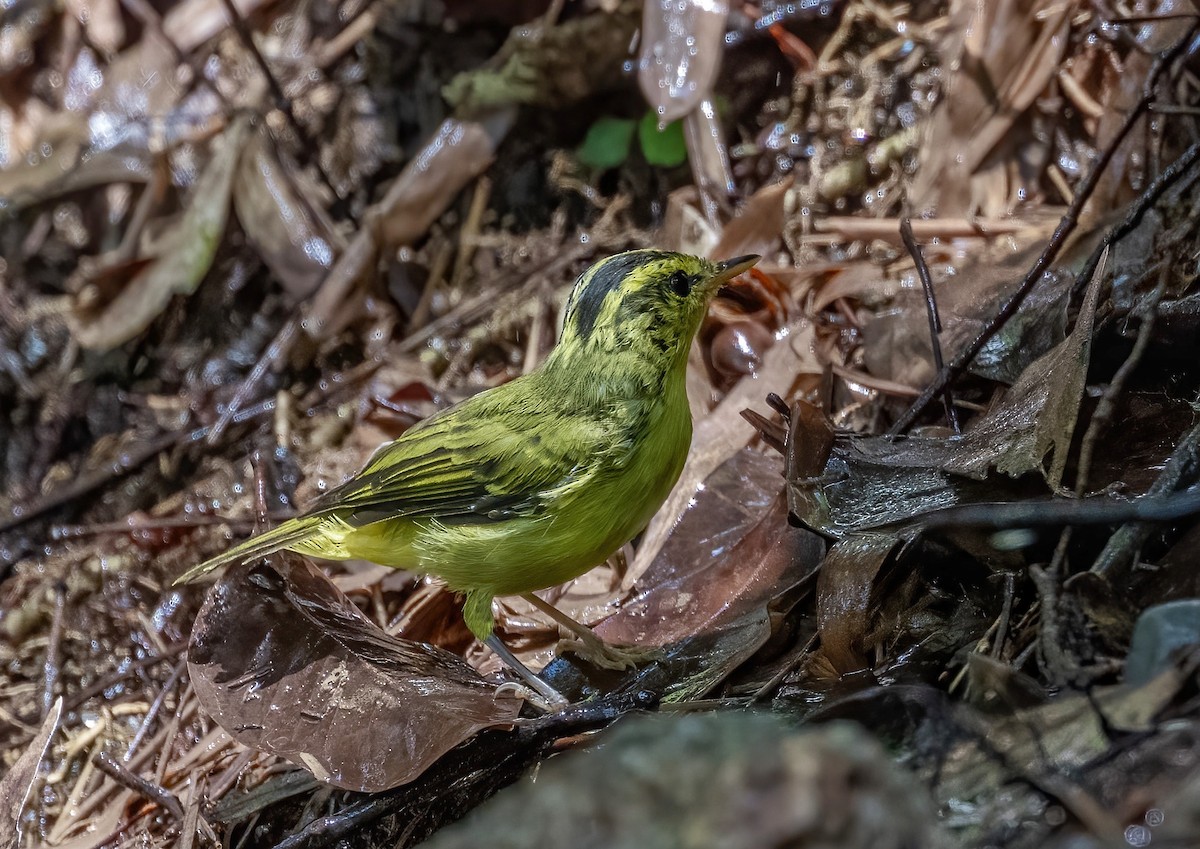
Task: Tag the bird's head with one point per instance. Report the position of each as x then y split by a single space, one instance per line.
648 302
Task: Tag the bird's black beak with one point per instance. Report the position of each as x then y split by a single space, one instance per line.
731 268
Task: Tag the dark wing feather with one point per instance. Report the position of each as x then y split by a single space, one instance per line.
474 462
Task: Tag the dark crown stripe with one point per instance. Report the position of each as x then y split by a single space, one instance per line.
604 278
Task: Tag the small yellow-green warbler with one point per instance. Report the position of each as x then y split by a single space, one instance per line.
533 483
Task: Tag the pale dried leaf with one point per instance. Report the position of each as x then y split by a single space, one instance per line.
1002 56
17 783
181 260
459 152
680 54
285 227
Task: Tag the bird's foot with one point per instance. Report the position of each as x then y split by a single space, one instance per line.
607 655
516 690
545 694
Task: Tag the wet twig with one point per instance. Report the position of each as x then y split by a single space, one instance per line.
935 320
155 707
1005 618
1085 511
1181 470
1108 401
125 463
53 667
156 793
126 672
166 523
276 351
1057 664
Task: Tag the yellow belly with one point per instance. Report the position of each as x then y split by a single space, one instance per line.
512 556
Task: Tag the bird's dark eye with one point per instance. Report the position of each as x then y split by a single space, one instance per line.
680 283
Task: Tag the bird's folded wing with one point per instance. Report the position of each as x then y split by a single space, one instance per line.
484 471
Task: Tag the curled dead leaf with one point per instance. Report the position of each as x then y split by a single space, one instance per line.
178 264
289 232
680 55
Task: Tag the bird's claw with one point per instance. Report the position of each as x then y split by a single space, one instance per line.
607 655
517 690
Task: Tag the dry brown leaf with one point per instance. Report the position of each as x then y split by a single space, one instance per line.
287 664
289 231
723 432
845 597
17 783
758 226
459 152
1002 56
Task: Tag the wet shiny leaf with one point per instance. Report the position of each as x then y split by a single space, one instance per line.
287 664
291 236
680 54
729 553
846 603
874 481
706 596
723 432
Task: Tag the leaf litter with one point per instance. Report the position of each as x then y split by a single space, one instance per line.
416 194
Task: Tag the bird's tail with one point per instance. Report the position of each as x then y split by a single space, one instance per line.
290 533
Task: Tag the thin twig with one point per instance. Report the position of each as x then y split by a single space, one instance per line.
1058 666
125 463
1005 616
166 523
767 690
126 672
1066 511
935 320
1108 402
1181 470
155 707
276 351
282 102
1065 227
156 793
52 667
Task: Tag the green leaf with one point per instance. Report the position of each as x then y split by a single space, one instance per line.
664 148
607 143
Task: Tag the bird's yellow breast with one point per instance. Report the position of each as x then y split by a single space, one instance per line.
581 525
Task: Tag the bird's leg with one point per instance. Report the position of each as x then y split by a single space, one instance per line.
554 699
477 612
587 645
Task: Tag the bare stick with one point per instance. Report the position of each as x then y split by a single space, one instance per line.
282 103
935 320
156 793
